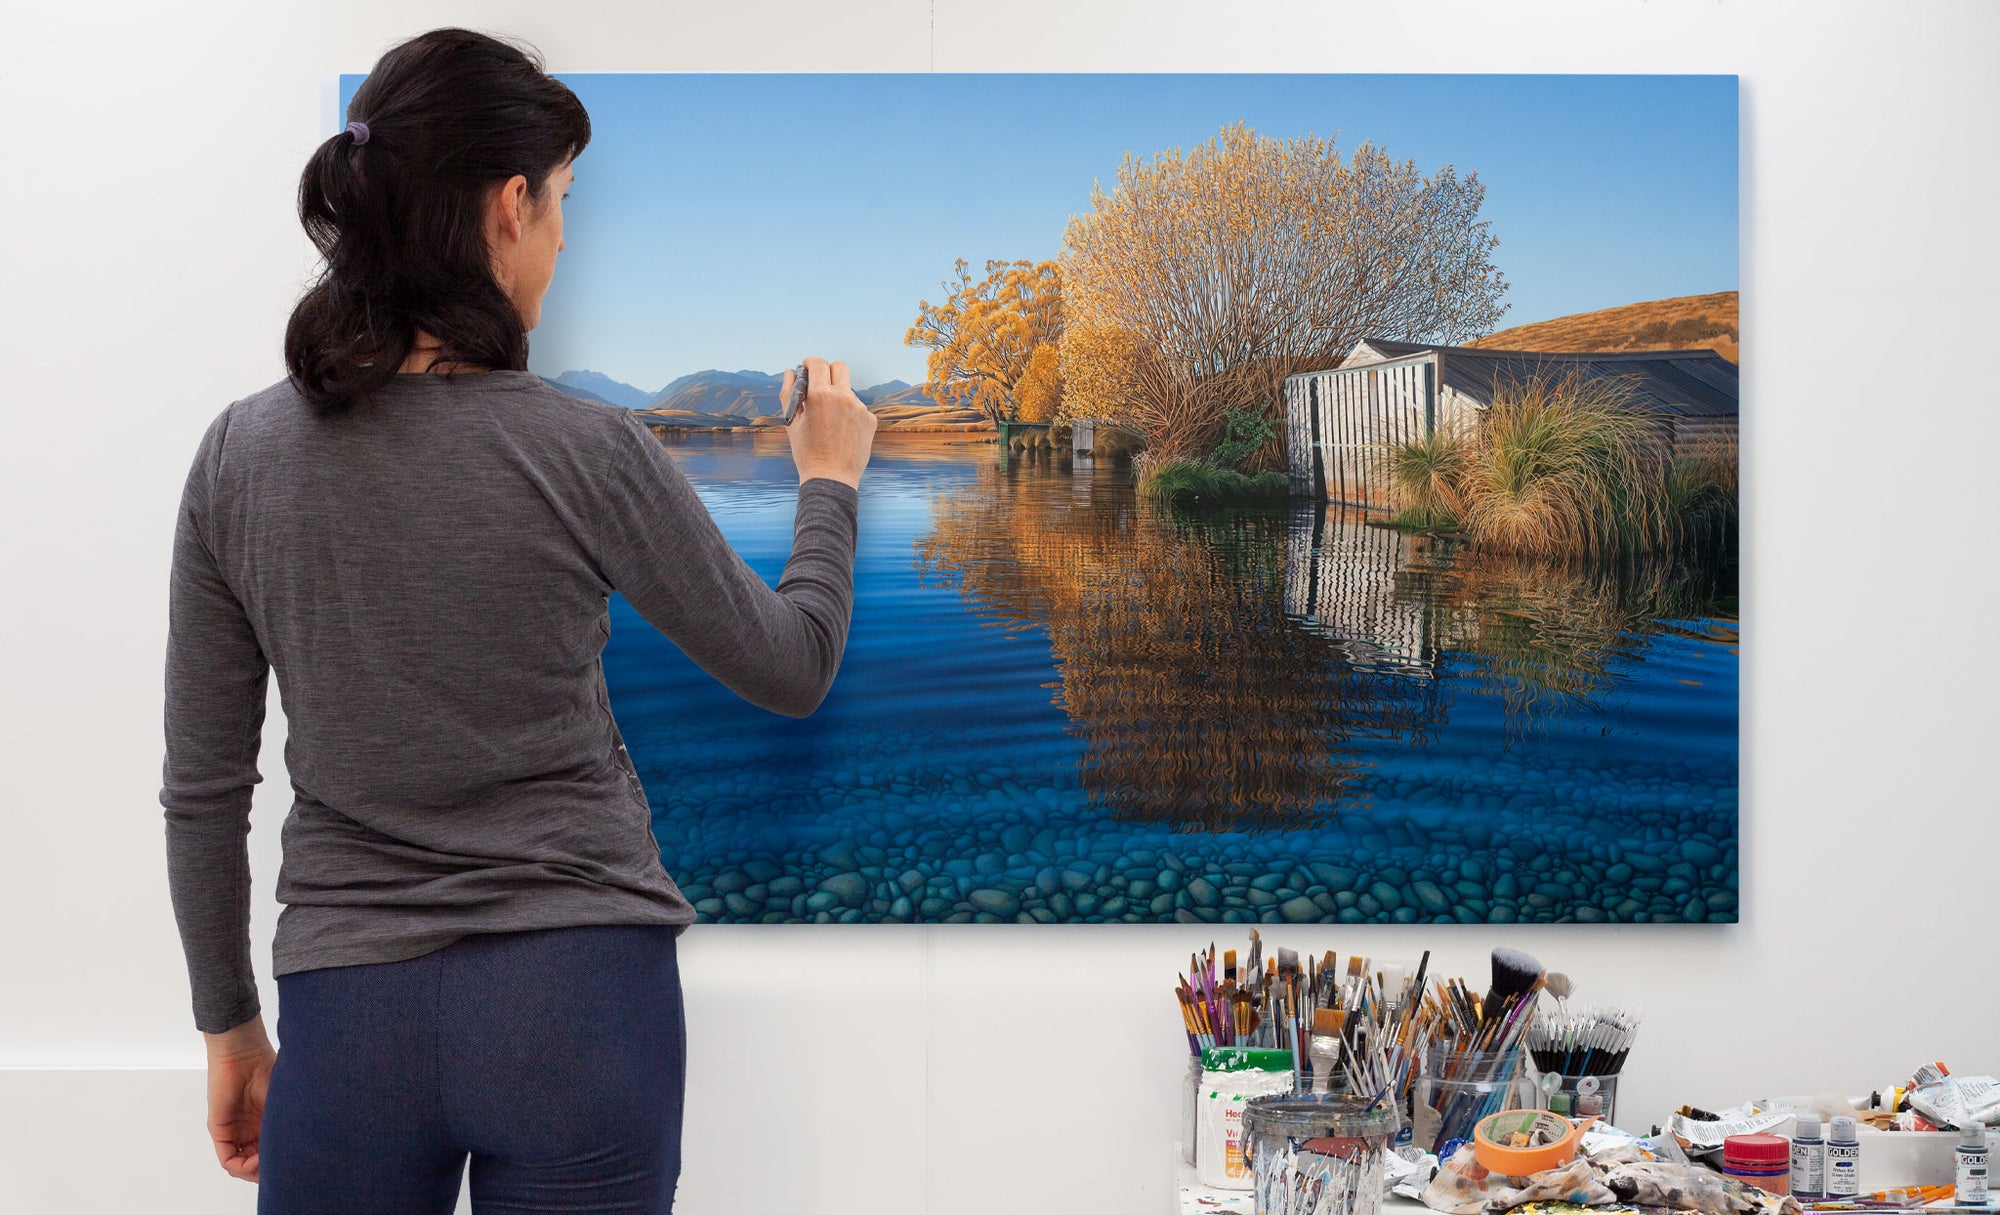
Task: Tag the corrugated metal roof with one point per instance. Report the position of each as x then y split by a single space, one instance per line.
1682 383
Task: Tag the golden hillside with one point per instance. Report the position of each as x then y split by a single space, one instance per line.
913 418
1687 322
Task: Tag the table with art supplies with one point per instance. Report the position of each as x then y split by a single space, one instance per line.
1338 1086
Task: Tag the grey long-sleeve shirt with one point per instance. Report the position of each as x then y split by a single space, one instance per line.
429 579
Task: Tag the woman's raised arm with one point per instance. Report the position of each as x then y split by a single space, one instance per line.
658 545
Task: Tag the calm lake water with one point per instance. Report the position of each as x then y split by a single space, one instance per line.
1063 703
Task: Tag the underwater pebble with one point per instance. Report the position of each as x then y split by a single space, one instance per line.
998 902
1300 910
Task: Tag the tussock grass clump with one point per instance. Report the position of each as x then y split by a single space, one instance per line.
1428 471
1567 465
1701 493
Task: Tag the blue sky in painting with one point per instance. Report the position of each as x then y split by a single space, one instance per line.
741 220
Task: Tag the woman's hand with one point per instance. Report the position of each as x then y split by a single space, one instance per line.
832 432
239 1073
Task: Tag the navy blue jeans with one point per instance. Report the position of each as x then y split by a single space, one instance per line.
555 1058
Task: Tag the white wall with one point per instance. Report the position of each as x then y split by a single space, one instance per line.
150 256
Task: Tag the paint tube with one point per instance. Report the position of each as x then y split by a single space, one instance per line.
1954 1100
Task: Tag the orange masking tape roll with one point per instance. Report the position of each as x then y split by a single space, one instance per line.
1519 1143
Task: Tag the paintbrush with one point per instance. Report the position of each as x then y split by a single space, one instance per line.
1514 972
1559 986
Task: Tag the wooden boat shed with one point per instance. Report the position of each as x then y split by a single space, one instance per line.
1341 421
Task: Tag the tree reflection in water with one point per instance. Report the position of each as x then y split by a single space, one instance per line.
1225 665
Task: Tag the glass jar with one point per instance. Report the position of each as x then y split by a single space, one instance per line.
1577 1096
1454 1089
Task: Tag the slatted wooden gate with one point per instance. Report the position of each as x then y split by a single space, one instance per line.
1340 424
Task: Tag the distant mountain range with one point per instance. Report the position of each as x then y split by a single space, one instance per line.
735 398
743 394
596 386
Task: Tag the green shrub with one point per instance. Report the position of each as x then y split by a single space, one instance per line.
1244 431
1195 481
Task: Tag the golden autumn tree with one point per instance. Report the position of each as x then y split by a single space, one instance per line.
1203 280
984 335
1039 392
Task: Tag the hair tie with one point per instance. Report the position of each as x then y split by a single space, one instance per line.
359 130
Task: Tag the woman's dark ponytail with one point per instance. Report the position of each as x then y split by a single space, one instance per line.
399 218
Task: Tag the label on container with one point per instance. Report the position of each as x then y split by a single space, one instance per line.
1843 1170
1218 1154
1971 1188
1808 1170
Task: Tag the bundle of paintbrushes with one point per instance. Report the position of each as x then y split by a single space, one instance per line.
1218 1013
1348 1027
1474 1053
1590 1041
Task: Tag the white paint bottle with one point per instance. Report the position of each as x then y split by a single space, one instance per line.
1970 1190
1843 1160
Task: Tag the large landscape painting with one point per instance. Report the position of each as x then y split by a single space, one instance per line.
1297 498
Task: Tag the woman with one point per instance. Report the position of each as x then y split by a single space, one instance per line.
476 955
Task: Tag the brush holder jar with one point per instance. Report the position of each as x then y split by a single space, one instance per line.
1577 1096
1454 1089
1316 1155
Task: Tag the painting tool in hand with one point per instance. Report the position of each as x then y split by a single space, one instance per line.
798 393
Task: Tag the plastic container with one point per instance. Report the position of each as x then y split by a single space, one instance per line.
1971 1182
1453 1090
1808 1159
1316 1154
1190 1089
1230 1077
1843 1160
1764 1161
